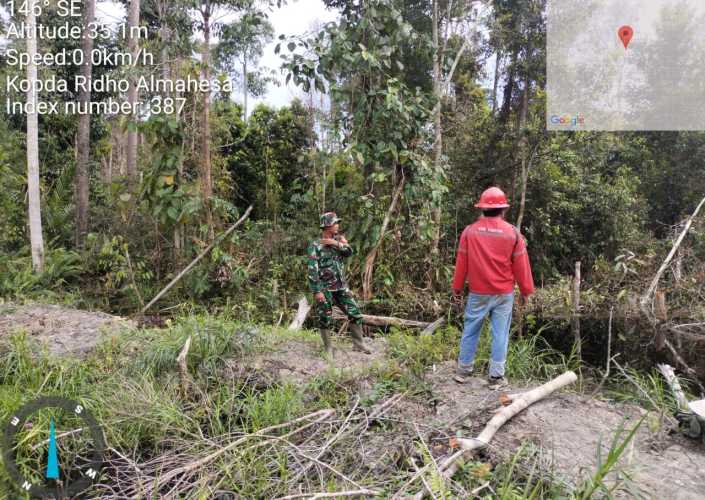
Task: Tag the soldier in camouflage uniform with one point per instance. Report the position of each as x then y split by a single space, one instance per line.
326 279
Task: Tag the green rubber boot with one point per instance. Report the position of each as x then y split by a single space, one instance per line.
325 336
357 339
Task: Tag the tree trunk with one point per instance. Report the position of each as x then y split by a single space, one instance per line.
84 132
302 312
438 140
497 74
523 150
244 90
133 22
370 259
33 192
508 90
206 182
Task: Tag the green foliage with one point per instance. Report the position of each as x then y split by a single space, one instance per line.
18 280
212 340
417 353
169 198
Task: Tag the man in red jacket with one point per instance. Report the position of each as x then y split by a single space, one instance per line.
491 258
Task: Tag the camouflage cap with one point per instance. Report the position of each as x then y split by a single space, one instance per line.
328 219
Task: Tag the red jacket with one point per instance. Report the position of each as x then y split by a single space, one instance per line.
492 257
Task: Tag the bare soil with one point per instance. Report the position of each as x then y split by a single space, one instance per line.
563 432
64 331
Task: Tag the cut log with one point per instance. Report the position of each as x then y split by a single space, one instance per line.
450 466
383 320
301 314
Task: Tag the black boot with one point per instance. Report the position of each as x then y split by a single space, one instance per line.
325 336
358 343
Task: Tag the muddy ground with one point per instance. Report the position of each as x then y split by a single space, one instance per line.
562 432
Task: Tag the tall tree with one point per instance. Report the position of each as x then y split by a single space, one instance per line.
243 41
34 196
208 23
206 11
452 16
84 130
384 121
133 22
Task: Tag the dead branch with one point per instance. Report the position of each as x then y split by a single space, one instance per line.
167 477
301 314
645 302
670 375
575 319
609 355
336 494
197 259
468 446
372 255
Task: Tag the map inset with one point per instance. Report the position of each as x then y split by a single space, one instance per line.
626 65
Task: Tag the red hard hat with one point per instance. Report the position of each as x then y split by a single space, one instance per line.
492 198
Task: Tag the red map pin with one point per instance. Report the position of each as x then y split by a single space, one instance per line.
625 34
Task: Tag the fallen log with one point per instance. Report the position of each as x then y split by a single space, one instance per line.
304 308
450 466
301 314
383 320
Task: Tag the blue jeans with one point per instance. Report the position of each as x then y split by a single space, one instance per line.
499 308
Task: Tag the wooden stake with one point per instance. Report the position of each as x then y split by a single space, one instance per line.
183 367
575 319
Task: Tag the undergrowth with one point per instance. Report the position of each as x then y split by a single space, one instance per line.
132 386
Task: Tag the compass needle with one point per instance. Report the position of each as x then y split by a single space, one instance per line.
75 438
53 459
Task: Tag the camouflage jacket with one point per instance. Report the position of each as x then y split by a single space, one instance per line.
326 270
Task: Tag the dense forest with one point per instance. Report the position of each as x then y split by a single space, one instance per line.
407 111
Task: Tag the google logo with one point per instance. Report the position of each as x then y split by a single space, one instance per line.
574 121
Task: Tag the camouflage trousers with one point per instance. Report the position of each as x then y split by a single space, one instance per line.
344 300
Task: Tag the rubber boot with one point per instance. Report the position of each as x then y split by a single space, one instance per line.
358 343
325 336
